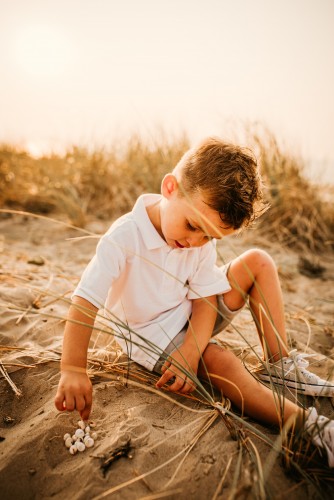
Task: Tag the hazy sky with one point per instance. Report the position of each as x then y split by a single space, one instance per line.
91 71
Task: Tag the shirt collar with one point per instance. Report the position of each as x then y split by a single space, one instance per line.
150 235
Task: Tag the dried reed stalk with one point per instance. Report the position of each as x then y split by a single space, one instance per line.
4 373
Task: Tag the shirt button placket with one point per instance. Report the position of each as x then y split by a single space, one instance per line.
170 278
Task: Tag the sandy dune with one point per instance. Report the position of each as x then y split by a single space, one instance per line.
39 267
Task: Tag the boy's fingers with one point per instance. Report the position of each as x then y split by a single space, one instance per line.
69 403
165 366
189 386
178 384
164 379
86 411
59 401
85 414
80 403
168 374
88 405
179 379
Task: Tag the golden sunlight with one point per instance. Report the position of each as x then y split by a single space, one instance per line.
42 51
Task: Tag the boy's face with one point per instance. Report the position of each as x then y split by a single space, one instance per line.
188 221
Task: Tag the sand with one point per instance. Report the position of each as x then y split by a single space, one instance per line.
164 455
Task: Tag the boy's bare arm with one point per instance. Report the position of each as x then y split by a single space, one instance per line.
75 388
203 317
201 325
78 329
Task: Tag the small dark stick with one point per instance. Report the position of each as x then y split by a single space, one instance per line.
122 451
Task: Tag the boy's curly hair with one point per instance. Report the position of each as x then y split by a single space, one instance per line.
228 178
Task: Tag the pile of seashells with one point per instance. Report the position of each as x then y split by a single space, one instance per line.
81 439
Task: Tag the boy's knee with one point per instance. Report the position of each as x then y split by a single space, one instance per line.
214 356
260 258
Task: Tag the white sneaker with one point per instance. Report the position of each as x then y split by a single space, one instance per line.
321 431
291 372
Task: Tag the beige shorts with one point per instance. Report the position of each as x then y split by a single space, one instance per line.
224 318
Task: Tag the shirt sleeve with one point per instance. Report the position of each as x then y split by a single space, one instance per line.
105 267
208 279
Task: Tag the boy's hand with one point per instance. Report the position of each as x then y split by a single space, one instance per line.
182 358
74 393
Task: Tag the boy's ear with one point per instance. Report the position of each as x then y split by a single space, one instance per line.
169 185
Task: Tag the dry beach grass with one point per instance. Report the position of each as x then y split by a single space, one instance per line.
195 447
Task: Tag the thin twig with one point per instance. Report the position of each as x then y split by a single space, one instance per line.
4 373
221 482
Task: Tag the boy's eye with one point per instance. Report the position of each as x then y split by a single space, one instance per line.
190 227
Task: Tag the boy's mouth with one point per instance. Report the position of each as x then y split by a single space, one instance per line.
178 244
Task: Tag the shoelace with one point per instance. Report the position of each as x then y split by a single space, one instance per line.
298 360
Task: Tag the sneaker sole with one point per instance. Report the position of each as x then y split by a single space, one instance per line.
310 390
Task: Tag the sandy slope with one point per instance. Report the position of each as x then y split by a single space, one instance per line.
37 266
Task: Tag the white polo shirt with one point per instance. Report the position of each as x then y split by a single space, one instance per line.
145 286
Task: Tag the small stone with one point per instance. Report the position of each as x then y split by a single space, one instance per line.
38 260
80 446
68 442
32 472
81 439
79 433
89 442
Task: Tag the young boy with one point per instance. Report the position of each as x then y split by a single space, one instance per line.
154 272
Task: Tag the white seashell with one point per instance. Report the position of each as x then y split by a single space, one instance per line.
73 449
94 435
89 442
80 446
81 424
79 433
67 435
74 438
87 429
68 442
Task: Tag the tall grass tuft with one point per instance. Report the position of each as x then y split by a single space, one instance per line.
105 183
81 183
300 216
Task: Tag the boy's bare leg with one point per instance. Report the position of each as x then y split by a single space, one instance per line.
228 374
254 274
